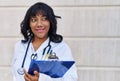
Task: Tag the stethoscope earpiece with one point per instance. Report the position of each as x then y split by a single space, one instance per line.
34 56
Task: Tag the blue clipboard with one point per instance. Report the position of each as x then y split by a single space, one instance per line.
54 69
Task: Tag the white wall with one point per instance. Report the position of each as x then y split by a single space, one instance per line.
90 27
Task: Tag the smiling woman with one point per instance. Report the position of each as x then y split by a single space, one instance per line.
40 26
39 29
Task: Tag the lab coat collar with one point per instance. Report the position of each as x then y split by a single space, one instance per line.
42 46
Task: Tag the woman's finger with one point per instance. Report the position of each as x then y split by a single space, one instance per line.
26 78
27 75
36 73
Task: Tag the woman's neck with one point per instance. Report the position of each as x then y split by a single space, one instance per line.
37 42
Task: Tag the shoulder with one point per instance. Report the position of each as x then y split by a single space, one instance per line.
19 45
62 45
62 50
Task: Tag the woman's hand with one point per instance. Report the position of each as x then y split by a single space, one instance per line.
29 77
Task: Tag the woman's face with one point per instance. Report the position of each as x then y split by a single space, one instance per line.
40 26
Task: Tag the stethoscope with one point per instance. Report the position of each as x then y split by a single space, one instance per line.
34 56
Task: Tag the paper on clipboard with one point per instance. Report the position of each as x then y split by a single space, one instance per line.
55 69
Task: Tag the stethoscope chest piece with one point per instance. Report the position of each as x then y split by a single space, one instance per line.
20 71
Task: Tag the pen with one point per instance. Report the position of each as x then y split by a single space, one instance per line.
48 54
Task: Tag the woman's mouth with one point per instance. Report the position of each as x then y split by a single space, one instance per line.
40 30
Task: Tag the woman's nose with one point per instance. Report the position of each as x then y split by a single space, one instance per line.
39 23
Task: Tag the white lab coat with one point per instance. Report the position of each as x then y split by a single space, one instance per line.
62 52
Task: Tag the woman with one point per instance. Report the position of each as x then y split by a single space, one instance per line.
39 30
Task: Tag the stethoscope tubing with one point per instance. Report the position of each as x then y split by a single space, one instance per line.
20 70
33 56
48 46
25 54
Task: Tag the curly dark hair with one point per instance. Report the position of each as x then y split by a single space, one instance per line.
45 10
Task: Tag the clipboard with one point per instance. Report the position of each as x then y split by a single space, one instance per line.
54 69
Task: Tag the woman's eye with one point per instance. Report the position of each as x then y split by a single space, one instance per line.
44 18
33 20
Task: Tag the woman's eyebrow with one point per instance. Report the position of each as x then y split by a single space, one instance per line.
33 16
44 15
